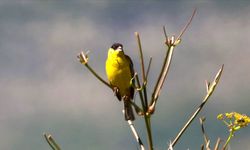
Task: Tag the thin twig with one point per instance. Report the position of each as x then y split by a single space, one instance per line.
138 110
83 58
165 72
52 143
216 147
165 33
146 116
141 56
207 141
140 92
137 137
209 93
144 100
202 147
149 65
170 146
98 77
203 130
186 26
144 81
171 43
161 78
48 141
228 140
207 145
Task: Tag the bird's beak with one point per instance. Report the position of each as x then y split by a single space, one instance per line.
119 49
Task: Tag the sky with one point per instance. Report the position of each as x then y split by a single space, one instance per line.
44 89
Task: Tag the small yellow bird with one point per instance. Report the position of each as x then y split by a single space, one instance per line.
119 70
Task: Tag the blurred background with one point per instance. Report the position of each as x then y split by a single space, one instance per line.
45 89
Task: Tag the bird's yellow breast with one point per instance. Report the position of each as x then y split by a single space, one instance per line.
118 72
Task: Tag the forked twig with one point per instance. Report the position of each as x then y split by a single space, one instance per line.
207 141
143 95
216 147
209 93
186 26
144 81
170 43
83 58
203 129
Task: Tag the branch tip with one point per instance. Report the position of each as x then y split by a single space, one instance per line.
187 25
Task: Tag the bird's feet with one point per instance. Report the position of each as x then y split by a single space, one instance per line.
116 93
125 98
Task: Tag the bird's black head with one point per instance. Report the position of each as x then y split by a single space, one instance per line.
116 46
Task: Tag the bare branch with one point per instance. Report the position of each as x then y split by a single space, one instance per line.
186 26
83 58
209 93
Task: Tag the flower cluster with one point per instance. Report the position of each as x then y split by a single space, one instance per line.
234 120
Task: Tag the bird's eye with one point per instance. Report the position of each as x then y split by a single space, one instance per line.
117 46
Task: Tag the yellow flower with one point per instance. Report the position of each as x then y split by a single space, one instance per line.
234 121
241 120
220 117
229 115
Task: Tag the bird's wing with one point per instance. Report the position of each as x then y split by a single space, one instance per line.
131 66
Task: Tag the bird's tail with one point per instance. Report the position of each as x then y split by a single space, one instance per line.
128 111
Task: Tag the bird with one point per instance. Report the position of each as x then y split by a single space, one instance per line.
120 71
